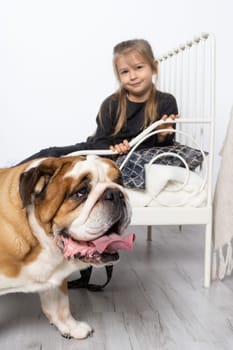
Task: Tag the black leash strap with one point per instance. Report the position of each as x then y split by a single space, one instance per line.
83 281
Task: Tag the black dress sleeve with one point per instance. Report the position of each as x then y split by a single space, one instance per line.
105 120
167 105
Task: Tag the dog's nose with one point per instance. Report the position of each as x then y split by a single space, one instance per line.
113 195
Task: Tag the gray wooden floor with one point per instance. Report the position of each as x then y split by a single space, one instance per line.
155 301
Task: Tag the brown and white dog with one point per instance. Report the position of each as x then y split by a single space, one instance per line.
57 215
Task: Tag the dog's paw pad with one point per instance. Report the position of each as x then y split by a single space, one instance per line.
66 335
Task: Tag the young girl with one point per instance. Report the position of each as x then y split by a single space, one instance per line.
136 104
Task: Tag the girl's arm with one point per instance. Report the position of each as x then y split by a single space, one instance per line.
163 135
167 108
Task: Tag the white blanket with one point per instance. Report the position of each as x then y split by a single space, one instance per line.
223 211
169 186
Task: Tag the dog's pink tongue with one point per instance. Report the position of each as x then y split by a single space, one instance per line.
114 242
108 244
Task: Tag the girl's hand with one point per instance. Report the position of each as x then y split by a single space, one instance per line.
121 148
168 126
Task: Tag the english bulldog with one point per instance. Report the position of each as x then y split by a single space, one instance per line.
58 215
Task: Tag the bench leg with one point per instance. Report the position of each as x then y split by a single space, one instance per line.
208 255
149 233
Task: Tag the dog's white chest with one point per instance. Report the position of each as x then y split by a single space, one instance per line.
47 271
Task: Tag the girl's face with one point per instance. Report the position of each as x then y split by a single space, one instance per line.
135 76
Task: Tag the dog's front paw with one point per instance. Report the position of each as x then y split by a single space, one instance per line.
82 330
78 330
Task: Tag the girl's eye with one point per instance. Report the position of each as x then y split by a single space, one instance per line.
81 192
124 72
139 67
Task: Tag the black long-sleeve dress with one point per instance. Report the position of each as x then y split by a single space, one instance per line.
103 137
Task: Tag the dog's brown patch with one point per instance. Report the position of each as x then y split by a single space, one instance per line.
64 287
113 173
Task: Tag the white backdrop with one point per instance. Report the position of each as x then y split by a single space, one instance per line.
56 62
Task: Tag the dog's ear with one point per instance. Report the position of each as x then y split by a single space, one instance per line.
42 187
34 182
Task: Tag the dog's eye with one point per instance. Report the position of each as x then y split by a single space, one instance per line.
81 192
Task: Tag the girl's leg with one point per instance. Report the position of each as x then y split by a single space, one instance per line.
57 151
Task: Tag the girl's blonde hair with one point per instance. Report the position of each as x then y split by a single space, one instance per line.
143 48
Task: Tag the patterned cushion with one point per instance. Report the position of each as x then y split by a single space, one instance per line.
134 171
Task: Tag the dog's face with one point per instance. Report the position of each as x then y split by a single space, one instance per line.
76 200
